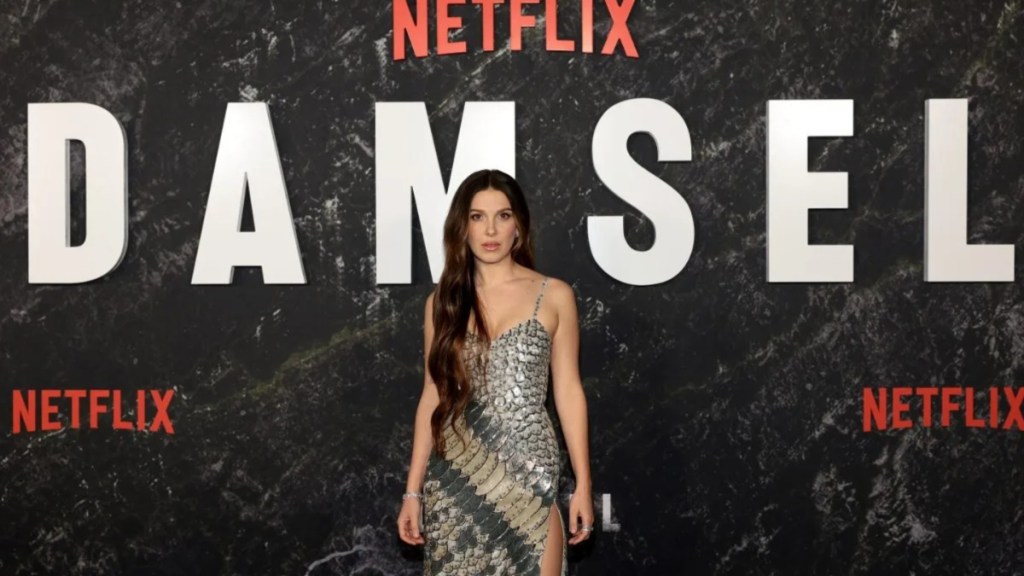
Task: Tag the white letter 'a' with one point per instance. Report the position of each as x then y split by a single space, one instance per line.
407 160
947 255
248 154
51 258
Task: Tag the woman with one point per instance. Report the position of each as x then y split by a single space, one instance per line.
485 462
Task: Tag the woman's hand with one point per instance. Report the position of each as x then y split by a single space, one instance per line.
581 506
409 522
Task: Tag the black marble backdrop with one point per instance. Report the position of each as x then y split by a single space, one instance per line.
725 411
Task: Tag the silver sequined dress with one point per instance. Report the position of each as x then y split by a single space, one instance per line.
486 505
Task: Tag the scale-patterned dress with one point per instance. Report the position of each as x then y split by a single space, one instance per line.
486 504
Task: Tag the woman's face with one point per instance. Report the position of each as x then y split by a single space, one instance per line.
492 225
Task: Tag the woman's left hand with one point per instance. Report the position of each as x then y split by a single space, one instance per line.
581 506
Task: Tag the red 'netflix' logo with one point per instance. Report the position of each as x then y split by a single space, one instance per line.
415 29
36 410
952 399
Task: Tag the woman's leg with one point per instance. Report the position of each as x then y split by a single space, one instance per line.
551 563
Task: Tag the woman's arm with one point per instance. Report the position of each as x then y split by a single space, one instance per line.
570 401
423 441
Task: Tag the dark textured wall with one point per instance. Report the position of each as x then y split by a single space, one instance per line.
725 411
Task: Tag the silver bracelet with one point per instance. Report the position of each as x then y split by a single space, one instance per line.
412 495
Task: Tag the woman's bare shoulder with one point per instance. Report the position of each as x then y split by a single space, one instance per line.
560 291
556 283
428 306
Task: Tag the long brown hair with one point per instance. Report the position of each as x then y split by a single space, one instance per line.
455 296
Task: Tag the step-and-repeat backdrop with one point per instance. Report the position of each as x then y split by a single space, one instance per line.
791 229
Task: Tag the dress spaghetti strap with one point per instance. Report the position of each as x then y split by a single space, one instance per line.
536 307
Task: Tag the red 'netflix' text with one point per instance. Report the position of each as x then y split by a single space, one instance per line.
880 403
37 410
415 29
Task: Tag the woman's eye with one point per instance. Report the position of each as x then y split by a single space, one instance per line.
506 215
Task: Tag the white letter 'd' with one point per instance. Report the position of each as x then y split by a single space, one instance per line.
792 191
947 255
667 210
248 154
51 258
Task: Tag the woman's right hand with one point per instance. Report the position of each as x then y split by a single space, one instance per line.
409 522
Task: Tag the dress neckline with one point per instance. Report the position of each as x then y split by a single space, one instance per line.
513 329
533 318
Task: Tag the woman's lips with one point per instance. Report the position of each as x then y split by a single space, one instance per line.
491 245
